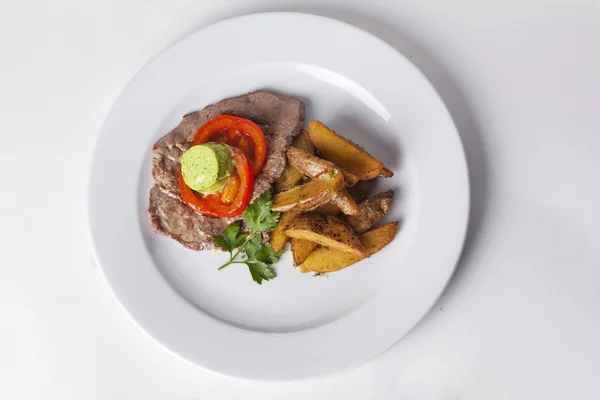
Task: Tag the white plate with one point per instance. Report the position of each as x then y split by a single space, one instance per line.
296 325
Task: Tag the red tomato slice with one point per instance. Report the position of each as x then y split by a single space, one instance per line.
223 204
236 132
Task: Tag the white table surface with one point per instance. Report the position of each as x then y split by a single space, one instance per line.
521 317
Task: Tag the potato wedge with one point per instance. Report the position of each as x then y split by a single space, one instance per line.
346 203
322 260
288 178
291 175
328 209
342 152
303 142
386 172
301 249
361 190
278 238
326 230
303 269
320 190
371 211
377 238
311 165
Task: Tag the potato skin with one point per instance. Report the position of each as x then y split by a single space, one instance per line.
311 165
326 230
323 260
320 190
343 153
291 175
346 203
372 210
278 238
301 249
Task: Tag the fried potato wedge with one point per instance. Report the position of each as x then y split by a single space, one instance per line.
371 211
377 238
278 238
328 231
306 197
386 172
342 152
323 260
303 269
361 190
301 249
346 203
291 175
311 165
328 209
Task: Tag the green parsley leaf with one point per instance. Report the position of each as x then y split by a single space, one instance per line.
260 271
259 257
268 255
231 238
258 216
222 243
253 246
241 239
231 233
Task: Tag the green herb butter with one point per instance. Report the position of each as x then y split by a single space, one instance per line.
206 167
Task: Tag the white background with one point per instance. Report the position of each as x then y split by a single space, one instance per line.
521 317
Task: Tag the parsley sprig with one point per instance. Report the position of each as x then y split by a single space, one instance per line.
260 219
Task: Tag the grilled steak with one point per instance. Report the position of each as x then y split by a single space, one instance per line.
280 117
172 217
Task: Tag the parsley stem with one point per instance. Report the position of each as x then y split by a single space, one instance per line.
232 256
226 264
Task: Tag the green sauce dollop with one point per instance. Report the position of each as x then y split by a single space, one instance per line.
206 167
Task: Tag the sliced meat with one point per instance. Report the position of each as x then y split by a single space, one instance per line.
173 218
280 117
166 175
